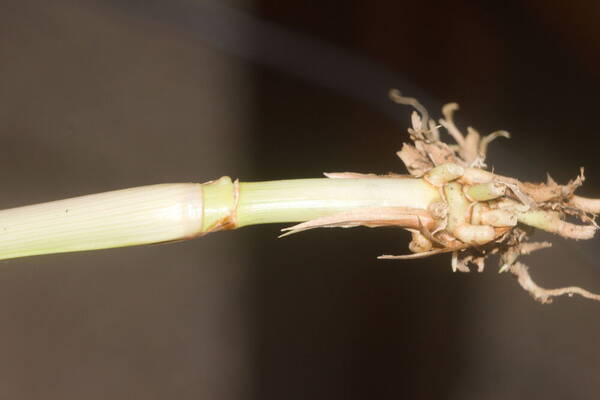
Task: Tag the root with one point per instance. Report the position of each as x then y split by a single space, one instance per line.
577 232
528 248
448 123
397 97
551 221
585 204
485 213
545 296
486 140
480 213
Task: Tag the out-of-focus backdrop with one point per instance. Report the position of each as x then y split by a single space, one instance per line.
101 95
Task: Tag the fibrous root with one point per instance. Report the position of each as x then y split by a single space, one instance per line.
481 213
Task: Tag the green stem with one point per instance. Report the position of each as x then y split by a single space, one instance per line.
305 199
171 212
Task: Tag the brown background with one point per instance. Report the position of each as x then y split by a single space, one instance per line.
100 95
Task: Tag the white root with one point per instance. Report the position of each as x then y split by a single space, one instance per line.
476 235
551 222
485 191
419 243
498 218
585 204
444 173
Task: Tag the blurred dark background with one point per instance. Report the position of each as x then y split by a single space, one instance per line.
101 95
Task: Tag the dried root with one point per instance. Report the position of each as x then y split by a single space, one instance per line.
481 213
